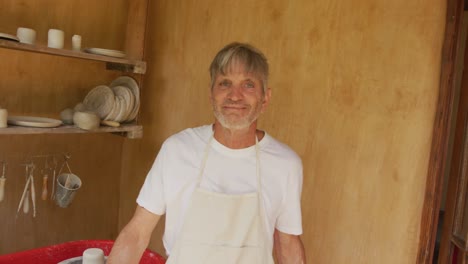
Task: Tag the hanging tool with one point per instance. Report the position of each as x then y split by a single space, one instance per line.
2 181
33 190
52 193
44 180
24 195
29 186
26 202
67 181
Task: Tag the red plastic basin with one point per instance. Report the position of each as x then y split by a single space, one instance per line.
56 253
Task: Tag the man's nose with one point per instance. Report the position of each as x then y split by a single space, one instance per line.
235 93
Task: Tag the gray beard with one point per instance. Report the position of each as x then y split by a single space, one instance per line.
239 125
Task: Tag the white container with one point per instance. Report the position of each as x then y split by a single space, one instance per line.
3 118
26 35
76 42
55 38
93 256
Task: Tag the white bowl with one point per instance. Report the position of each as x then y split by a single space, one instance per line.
86 120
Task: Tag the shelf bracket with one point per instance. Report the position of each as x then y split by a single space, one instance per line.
134 134
138 67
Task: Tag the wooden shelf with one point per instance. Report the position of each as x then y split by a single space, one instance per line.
120 64
128 130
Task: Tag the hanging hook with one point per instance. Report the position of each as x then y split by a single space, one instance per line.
66 156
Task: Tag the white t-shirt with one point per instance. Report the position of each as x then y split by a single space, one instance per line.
173 176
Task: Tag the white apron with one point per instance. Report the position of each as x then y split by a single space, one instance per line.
223 228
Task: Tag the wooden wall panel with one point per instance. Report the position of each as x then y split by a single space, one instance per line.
101 24
43 85
94 210
354 92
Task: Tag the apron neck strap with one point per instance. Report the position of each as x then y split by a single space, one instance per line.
205 158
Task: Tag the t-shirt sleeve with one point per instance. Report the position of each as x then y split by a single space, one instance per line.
151 195
289 220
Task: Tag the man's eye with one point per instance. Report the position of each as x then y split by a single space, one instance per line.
249 85
225 83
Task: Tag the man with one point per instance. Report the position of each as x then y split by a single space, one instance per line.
230 192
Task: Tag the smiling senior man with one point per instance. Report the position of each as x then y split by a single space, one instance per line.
231 192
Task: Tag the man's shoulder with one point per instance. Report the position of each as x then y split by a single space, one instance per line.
189 136
281 150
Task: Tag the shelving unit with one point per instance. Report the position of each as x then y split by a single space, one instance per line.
131 131
133 47
120 64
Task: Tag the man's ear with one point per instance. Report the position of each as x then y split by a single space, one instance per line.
266 99
210 94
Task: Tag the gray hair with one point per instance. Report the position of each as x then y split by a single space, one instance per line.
253 60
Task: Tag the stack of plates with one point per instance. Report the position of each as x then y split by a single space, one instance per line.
120 101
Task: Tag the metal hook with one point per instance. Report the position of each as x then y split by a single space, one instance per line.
32 166
66 156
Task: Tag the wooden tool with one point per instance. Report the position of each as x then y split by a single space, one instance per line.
24 195
2 182
44 188
44 181
26 203
33 190
54 161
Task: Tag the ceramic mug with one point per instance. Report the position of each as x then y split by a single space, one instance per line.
76 42
3 118
26 35
55 38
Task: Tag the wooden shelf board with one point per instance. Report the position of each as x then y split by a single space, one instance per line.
128 130
134 66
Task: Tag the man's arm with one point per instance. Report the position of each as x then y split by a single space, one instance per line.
288 248
134 238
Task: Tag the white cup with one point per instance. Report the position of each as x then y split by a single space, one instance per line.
3 118
76 42
55 38
26 35
93 256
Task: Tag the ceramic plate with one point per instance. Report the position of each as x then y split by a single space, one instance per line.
106 52
127 95
132 84
100 100
33 121
8 37
123 107
115 110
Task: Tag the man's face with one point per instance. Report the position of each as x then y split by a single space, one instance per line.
238 98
